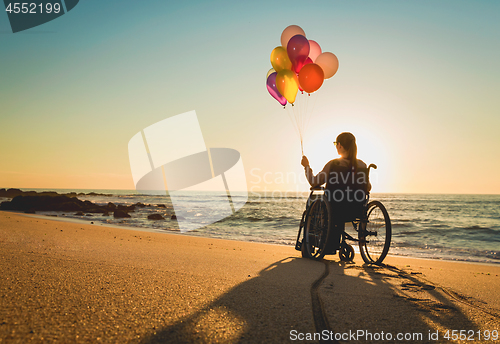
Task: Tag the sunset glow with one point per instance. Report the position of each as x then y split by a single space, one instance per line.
416 85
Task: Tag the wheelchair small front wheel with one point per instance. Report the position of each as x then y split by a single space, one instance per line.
316 229
375 234
346 253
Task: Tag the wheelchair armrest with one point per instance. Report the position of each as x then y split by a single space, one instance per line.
317 187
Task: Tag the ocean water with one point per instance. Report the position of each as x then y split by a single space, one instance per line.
449 227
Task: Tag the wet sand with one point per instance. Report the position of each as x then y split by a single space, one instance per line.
71 282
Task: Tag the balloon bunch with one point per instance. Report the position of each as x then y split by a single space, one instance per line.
298 64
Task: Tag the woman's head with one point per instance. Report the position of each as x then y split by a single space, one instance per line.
348 143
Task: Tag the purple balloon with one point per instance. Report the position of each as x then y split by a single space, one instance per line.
298 50
273 90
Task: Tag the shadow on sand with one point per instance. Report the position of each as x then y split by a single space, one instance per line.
278 306
387 304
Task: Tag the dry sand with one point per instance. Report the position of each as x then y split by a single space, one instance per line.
71 282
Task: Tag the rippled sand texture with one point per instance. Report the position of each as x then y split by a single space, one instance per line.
69 282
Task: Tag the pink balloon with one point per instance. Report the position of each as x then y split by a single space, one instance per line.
314 50
273 90
329 63
298 51
289 32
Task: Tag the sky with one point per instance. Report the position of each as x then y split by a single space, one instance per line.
417 85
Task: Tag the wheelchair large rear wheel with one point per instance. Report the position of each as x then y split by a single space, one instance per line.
316 229
375 234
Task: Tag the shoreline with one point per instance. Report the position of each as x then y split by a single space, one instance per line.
152 230
77 282
306 190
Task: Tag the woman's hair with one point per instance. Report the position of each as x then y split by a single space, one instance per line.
348 141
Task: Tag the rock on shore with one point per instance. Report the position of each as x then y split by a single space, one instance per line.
11 193
32 201
60 203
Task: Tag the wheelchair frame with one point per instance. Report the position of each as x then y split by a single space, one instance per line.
373 229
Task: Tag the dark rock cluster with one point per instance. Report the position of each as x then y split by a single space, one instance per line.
32 201
11 193
120 214
32 204
46 203
155 217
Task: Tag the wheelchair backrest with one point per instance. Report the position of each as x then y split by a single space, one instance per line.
347 190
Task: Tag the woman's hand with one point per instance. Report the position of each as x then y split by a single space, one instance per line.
305 161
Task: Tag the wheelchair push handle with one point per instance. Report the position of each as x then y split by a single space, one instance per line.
371 166
316 188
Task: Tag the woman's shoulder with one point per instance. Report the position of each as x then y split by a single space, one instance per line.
339 162
345 162
361 164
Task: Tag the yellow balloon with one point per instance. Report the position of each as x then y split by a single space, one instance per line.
287 84
280 60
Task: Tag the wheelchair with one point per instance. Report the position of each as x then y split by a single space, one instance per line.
324 219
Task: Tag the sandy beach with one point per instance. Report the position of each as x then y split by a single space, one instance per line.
71 282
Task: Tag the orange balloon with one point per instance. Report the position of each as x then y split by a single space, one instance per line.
289 32
329 63
287 84
280 60
311 77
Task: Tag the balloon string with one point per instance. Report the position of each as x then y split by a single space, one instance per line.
297 114
291 118
308 119
304 112
301 114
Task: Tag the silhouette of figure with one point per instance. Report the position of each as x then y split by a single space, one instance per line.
347 149
347 185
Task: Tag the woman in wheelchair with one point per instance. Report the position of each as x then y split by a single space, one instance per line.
343 199
347 149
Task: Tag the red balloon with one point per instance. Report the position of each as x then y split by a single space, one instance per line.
298 51
311 77
300 66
